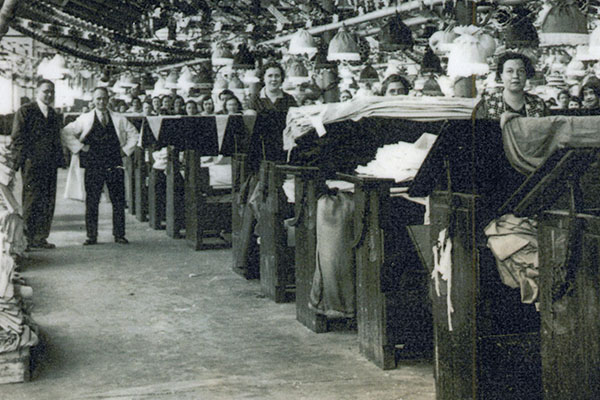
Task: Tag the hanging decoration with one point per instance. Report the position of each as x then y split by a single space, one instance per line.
89 56
395 35
563 24
468 55
302 43
343 47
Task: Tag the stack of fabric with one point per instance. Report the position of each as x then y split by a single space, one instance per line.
400 161
302 120
16 329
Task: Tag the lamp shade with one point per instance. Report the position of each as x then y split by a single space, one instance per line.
432 88
243 59
297 73
368 75
441 41
171 81
222 55
395 35
343 47
468 55
520 31
563 24
595 44
204 79
128 81
431 63
302 42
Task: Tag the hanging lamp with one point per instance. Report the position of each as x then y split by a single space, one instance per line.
563 24
520 31
368 75
343 47
297 73
222 55
395 35
243 59
302 42
431 63
441 41
171 81
432 88
594 43
468 55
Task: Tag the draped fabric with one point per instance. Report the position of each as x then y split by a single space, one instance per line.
303 120
528 141
333 289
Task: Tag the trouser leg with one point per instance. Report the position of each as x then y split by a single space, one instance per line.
38 199
93 181
115 182
47 204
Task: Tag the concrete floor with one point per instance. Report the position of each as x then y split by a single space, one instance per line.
156 320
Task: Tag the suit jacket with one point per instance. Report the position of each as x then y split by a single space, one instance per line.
74 133
36 138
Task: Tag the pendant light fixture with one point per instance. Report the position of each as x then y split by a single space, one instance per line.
302 42
468 55
395 35
563 24
343 47
243 59
222 55
520 31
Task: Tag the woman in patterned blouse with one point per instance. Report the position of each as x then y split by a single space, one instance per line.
513 69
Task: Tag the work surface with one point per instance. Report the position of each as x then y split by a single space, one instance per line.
156 320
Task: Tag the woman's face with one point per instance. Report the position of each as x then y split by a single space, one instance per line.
191 109
232 106
273 78
147 109
563 100
178 105
208 106
514 75
395 89
167 103
590 100
156 103
345 96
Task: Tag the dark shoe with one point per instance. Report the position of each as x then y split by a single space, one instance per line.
121 240
43 244
90 241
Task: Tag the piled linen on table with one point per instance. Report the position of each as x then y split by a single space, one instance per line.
400 161
528 141
16 329
301 120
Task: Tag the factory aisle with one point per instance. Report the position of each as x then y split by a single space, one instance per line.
156 320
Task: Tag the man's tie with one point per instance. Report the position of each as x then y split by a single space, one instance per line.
104 119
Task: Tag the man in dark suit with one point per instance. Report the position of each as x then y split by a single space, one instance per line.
38 151
100 137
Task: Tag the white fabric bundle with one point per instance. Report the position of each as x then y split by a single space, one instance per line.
399 161
301 120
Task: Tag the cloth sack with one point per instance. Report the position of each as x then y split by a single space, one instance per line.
75 189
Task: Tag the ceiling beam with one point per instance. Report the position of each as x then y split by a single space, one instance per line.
382 13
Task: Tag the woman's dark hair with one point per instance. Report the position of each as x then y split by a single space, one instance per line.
592 83
575 99
268 65
239 103
392 79
200 102
511 55
227 92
